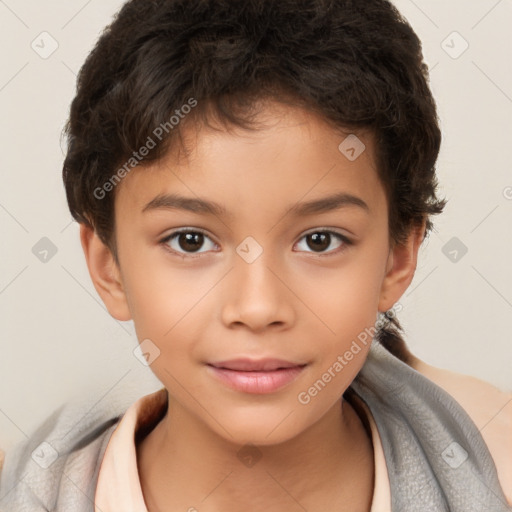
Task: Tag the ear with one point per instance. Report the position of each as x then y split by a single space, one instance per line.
105 273
400 269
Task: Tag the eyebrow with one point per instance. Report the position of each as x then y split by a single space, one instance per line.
175 201
327 204
203 206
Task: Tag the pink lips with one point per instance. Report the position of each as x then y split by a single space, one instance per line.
256 376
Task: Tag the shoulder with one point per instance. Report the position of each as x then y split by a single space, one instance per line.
69 441
489 407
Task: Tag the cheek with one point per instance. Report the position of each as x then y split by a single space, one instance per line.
347 298
155 293
346 301
168 303
144 288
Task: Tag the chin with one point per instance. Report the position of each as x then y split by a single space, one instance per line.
260 429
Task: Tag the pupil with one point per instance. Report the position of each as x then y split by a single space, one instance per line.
194 241
321 241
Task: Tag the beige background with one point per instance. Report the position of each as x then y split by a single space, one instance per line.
57 340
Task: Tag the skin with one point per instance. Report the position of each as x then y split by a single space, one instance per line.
295 301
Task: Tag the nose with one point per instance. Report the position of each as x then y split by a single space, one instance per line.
257 296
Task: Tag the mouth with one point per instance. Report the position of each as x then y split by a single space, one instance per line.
256 365
256 377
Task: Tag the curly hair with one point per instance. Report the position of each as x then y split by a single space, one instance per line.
357 64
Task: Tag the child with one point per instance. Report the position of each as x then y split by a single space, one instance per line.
253 181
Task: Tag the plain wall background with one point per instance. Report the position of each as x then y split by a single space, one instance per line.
57 340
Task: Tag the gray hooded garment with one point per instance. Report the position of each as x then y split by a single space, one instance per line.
437 459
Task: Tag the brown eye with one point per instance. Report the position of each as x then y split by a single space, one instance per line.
190 241
187 241
320 241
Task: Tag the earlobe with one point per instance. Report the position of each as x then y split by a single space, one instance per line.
400 269
105 274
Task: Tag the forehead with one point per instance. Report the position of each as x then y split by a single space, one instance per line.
293 155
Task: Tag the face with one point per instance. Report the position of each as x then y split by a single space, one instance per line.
268 244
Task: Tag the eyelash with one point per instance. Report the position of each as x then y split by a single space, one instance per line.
346 242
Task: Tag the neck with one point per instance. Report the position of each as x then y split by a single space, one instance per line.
183 465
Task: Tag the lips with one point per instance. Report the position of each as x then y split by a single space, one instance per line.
256 377
253 365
